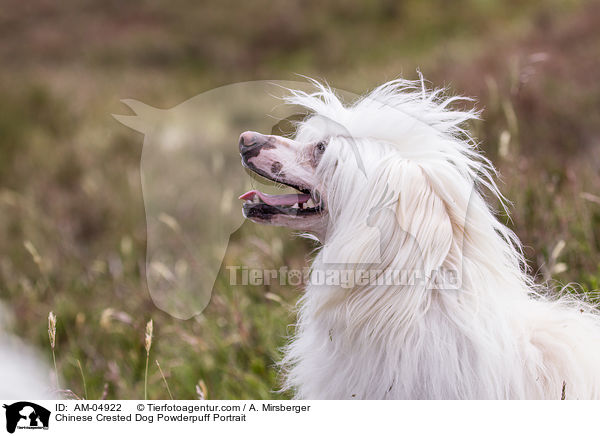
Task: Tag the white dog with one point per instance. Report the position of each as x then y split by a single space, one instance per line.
393 183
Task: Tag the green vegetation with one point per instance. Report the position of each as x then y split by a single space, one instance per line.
71 210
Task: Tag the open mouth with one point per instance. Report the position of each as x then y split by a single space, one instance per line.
260 205
284 208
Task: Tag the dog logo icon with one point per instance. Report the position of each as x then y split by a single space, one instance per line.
26 415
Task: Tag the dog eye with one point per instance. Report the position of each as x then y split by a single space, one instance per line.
317 152
320 147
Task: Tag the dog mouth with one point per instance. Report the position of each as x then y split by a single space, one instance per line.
262 155
259 205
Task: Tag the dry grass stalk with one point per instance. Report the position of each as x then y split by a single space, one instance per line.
201 390
52 337
83 378
164 379
147 346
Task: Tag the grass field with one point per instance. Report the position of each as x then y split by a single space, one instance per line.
71 211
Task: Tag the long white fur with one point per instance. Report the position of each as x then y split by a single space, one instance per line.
499 336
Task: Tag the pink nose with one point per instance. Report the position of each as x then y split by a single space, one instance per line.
247 139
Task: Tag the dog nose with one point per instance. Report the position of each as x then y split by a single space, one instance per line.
247 139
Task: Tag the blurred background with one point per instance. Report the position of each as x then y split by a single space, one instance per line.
72 222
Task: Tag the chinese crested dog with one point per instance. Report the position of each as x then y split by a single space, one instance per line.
440 305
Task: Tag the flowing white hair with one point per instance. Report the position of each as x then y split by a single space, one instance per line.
400 161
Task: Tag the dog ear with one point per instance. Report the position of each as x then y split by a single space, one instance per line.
397 223
416 233
424 216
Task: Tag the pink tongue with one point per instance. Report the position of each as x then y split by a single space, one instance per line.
276 200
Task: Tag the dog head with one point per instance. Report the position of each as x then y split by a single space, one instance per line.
289 162
397 160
